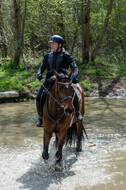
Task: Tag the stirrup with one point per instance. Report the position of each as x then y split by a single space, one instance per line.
39 123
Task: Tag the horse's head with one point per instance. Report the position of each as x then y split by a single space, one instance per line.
65 92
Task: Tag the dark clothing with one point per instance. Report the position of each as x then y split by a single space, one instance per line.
59 61
47 85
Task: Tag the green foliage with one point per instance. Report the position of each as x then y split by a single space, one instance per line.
86 85
18 78
47 17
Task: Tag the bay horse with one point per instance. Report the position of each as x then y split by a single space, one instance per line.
59 116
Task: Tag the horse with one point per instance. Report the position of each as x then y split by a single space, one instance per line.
59 116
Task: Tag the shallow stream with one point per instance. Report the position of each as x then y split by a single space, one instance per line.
100 166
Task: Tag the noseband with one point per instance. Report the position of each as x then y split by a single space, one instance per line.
59 101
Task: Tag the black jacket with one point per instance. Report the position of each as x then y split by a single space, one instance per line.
59 61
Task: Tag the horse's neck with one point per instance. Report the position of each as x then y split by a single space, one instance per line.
53 108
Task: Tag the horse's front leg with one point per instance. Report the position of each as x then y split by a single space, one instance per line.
46 140
61 140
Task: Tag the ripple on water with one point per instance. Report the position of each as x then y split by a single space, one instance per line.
24 168
101 165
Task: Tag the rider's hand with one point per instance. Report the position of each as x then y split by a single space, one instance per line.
40 77
74 80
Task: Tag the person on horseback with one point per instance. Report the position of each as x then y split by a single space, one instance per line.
59 60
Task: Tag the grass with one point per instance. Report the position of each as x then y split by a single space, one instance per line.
23 77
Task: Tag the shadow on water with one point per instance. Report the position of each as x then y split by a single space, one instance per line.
40 176
107 114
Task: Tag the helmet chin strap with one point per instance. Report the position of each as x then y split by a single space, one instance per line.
58 48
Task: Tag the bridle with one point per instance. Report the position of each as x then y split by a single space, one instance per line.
60 101
68 98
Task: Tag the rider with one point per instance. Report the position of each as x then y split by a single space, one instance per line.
59 60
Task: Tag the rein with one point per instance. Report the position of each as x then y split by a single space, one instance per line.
47 91
69 98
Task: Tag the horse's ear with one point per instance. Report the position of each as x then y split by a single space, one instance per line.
56 74
70 74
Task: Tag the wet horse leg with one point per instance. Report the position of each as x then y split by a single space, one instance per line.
79 136
61 139
56 141
46 140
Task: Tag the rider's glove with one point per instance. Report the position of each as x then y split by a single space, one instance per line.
40 77
74 80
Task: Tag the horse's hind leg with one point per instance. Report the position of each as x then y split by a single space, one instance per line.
47 137
79 136
56 141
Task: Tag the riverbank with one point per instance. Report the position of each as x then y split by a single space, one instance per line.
96 79
113 90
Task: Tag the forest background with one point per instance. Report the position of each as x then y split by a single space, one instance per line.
94 32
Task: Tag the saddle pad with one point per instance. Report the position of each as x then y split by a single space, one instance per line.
78 90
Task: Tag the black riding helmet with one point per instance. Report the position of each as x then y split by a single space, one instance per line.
58 39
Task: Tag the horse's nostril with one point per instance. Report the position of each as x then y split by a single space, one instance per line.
66 111
69 111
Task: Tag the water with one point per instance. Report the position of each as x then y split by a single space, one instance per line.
101 165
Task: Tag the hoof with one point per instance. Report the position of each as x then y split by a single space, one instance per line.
45 156
79 149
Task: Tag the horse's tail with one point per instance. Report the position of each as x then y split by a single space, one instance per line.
72 134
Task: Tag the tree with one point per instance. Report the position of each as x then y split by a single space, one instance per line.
3 45
101 35
85 30
19 24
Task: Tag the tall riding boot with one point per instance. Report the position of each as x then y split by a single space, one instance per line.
77 106
39 121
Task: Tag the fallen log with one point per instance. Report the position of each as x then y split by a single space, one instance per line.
9 94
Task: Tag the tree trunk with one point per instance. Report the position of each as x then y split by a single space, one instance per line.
76 30
19 23
60 21
85 15
3 45
101 36
74 41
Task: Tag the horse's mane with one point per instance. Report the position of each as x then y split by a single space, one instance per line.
63 76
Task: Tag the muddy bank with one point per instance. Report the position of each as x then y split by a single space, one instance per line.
111 88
